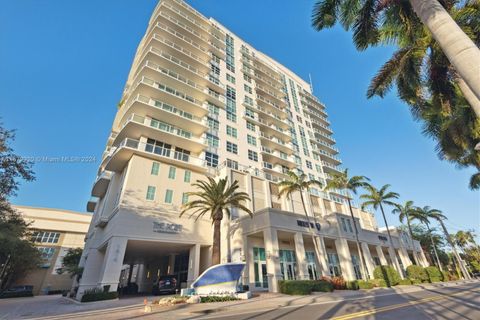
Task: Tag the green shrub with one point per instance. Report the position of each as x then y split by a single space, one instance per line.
322 286
362 284
417 274
15 294
387 273
352 285
217 299
445 276
98 294
380 283
304 287
434 274
416 281
405 282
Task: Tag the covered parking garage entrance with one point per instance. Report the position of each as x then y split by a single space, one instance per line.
146 262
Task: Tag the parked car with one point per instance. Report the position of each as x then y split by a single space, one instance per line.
17 291
166 285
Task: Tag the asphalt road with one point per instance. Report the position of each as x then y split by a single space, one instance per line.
462 302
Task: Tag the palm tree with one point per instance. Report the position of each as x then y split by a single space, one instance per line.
298 183
377 198
423 215
437 215
377 21
216 199
341 181
404 213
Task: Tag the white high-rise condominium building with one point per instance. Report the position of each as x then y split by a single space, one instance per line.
199 101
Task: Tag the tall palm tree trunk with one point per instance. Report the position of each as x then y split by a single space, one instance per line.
216 241
471 98
466 275
394 258
317 252
363 264
455 44
415 256
434 248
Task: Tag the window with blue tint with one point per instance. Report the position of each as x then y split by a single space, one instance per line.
168 196
155 168
151 193
187 176
171 172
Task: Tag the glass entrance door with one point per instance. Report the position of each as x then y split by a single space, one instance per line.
356 266
311 265
260 268
288 264
334 265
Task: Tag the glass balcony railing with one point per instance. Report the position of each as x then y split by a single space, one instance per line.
181 49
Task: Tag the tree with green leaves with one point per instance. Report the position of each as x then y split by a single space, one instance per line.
342 181
404 214
70 263
423 215
376 198
425 75
440 217
18 255
215 198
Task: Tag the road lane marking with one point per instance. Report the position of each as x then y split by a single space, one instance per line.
395 306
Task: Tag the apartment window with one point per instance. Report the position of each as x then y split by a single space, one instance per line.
251 140
267 165
213 124
250 126
247 88
311 176
182 154
232 132
299 119
184 198
213 109
309 164
212 140
283 155
46 253
158 147
45 237
155 169
232 164
230 49
344 224
187 176
215 70
247 78
211 159
231 108
316 157
349 224
250 113
252 155
151 193
232 147
231 116
168 196
230 78
171 172
248 100
318 168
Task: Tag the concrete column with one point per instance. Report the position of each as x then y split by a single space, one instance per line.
270 239
345 258
141 278
308 203
249 190
381 256
171 263
394 258
92 263
321 256
301 256
367 256
248 259
268 195
113 262
405 258
193 264
423 258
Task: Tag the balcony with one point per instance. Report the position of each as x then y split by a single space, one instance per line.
273 97
173 63
322 144
100 185
91 204
271 116
328 167
274 142
270 103
329 156
169 95
121 154
275 157
269 128
320 125
137 126
324 135
143 106
274 84
174 48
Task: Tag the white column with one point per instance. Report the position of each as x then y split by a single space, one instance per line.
92 264
249 190
381 256
424 259
270 239
394 258
113 262
321 256
248 259
405 258
193 264
367 256
141 278
345 258
301 256
268 195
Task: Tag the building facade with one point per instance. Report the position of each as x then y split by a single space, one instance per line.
54 231
199 101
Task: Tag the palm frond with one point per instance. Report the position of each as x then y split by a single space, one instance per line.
324 14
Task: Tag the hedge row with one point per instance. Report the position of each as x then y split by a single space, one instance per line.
98 295
304 287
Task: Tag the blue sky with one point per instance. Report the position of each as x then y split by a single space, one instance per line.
64 64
